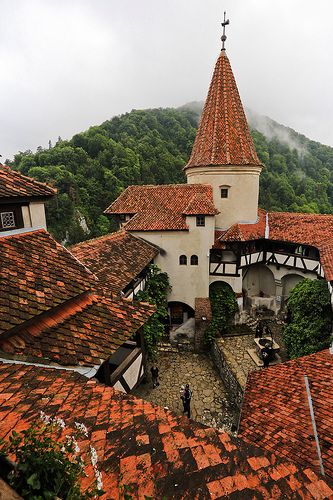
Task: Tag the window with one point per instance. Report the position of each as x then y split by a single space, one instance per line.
194 260
224 192
183 260
7 220
200 220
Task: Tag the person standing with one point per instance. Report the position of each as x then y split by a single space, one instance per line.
186 398
154 375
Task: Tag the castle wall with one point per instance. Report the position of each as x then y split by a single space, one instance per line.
188 281
242 182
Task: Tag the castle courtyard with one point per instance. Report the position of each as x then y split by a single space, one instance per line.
210 403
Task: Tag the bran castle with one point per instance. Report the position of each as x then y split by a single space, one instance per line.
211 229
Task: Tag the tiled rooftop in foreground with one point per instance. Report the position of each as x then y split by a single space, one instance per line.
276 412
148 448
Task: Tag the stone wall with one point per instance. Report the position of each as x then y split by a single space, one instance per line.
233 376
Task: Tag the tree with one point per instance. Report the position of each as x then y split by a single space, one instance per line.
155 293
310 318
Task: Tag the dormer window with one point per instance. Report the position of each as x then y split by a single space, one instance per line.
224 191
7 220
10 217
200 220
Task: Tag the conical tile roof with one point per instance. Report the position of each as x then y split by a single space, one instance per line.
223 136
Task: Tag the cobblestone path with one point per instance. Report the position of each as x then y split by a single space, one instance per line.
210 403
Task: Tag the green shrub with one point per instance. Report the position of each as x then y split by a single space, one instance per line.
310 318
224 307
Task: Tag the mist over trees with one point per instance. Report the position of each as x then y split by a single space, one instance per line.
151 147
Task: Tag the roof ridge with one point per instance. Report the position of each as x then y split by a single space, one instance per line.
56 317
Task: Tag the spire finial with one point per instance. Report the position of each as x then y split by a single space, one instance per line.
224 24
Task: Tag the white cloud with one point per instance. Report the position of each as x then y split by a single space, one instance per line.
66 65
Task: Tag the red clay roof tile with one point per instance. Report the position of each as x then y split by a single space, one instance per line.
36 275
85 331
308 229
116 259
16 185
276 415
161 208
188 460
223 136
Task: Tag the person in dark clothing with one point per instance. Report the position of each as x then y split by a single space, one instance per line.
154 375
186 398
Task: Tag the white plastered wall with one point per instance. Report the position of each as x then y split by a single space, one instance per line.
188 282
242 202
37 214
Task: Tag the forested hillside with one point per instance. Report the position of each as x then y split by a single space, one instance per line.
151 147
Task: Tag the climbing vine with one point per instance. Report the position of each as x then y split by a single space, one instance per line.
310 318
224 307
155 293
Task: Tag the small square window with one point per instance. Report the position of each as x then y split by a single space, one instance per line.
224 192
200 220
7 219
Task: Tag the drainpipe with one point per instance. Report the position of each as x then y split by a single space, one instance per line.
314 427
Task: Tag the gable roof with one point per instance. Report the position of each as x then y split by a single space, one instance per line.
36 275
116 259
276 415
223 136
85 331
161 208
148 448
308 229
16 185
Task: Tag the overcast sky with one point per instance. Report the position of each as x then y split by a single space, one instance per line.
69 64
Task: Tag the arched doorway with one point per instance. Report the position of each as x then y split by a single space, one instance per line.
259 289
288 282
258 281
179 312
219 285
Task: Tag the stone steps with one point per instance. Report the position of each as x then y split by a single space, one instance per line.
167 347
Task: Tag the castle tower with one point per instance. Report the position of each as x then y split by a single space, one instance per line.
223 154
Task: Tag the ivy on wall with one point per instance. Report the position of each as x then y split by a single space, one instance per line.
224 307
155 293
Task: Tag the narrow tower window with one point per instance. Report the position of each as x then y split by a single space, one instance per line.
224 192
200 220
183 260
194 260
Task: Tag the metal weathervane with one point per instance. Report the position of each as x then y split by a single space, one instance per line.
224 36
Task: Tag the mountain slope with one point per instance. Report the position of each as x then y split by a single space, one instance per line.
151 147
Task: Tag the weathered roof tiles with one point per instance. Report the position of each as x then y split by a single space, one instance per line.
15 185
276 413
223 136
149 449
36 275
86 331
116 259
162 208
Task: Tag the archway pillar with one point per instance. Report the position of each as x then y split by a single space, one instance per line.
279 294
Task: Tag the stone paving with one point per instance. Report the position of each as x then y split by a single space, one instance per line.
235 351
210 403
